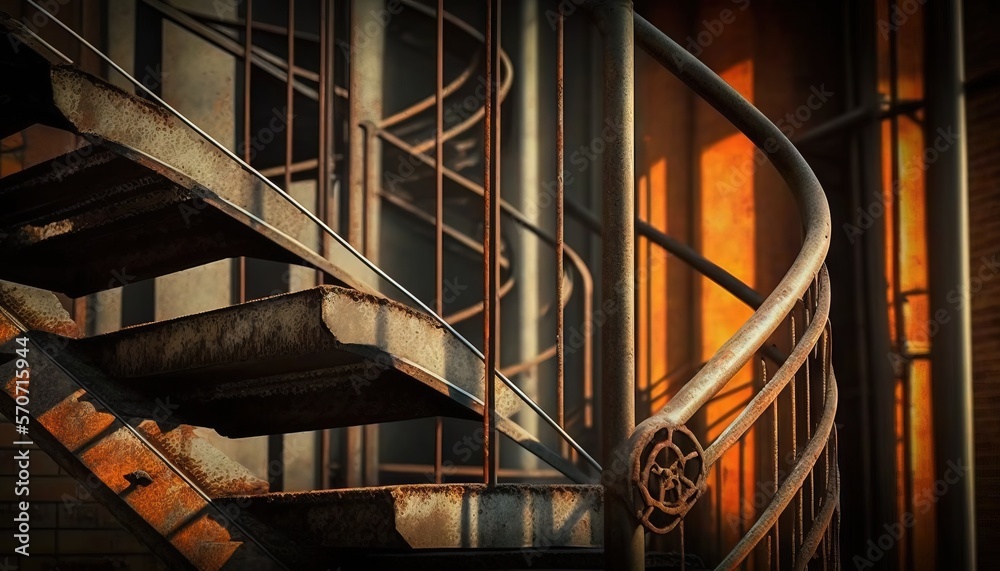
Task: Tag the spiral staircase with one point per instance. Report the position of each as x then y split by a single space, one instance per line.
150 194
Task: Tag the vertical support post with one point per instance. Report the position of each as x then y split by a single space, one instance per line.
241 270
527 166
948 254
324 176
439 212
867 148
623 539
276 442
491 240
367 48
560 223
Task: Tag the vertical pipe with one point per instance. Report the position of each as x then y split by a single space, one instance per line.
439 212
289 98
367 50
797 524
276 442
491 239
324 176
623 540
372 179
323 159
329 99
438 450
366 67
439 165
855 83
907 547
880 375
560 218
241 285
948 253
775 451
528 161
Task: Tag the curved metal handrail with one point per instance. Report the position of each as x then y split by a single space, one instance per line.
418 149
657 433
739 349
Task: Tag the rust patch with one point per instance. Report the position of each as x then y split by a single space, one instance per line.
215 473
371 299
206 543
37 309
75 423
8 330
156 113
166 503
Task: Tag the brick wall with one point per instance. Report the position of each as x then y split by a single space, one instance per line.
983 118
68 529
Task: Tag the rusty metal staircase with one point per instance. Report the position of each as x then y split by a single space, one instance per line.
326 357
148 196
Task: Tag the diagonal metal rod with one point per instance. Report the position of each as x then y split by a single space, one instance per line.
92 395
374 268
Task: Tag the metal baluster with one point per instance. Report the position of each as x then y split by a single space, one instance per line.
439 213
560 236
491 239
247 67
774 488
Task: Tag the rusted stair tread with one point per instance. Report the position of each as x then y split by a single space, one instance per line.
320 358
152 478
92 220
433 516
508 559
440 526
225 194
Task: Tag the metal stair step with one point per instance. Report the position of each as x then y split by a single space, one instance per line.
441 526
320 358
92 220
195 202
435 516
508 559
145 475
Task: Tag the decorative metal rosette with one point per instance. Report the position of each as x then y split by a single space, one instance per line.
670 478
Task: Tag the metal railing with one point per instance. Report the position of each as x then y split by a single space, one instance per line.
666 468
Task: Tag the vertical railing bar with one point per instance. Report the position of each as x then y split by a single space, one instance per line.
487 197
322 162
439 163
495 238
775 454
289 97
438 450
370 455
439 213
331 210
683 547
560 232
826 451
324 153
347 244
276 442
808 365
491 238
907 547
797 519
247 67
